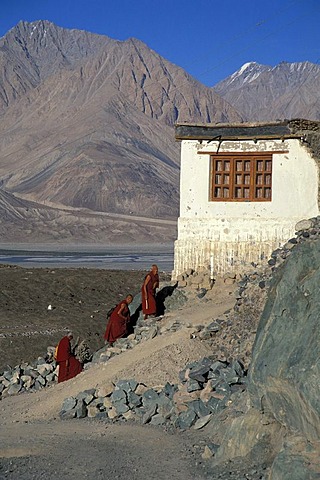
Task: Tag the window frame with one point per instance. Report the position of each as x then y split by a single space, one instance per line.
247 190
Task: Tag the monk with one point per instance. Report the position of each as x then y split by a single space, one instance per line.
148 292
118 324
69 365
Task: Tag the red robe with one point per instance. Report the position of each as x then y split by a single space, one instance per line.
69 365
118 326
149 306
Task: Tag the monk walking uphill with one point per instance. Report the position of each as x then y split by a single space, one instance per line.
69 365
118 324
148 292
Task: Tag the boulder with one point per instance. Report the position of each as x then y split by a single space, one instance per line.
105 390
157 420
112 413
284 376
207 453
118 395
121 407
249 435
127 385
297 460
81 409
129 415
14 388
150 412
202 422
304 225
44 369
107 403
141 389
134 400
69 404
92 411
186 419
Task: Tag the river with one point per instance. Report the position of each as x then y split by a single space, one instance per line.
113 258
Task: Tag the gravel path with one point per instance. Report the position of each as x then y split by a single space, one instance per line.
95 450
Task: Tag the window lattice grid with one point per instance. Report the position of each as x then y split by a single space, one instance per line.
241 178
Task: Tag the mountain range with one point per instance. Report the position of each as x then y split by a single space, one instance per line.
262 93
88 153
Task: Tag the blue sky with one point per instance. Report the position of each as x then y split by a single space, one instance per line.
210 39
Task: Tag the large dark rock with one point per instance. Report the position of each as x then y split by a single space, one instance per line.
296 461
284 376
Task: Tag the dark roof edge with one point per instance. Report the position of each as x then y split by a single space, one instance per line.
226 125
277 129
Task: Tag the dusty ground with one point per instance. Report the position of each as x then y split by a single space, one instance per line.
35 444
94 450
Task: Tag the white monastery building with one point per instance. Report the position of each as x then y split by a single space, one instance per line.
243 188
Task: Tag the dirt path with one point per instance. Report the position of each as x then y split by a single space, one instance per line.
82 449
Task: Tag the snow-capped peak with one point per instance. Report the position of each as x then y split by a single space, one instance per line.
248 72
247 66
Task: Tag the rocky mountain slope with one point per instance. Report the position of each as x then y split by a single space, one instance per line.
86 131
261 92
87 121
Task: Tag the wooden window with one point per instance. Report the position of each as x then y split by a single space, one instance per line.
241 178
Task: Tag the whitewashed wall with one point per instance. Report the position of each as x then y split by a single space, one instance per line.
237 233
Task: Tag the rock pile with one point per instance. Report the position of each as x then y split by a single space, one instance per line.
206 388
232 334
83 352
43 372
306 230
202 278
27 377
239 329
